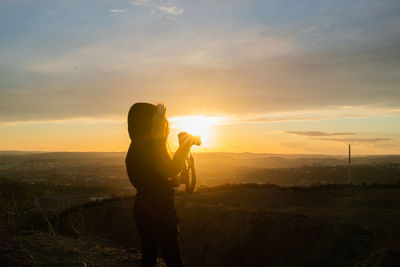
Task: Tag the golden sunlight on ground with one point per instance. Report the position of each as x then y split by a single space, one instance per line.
196 125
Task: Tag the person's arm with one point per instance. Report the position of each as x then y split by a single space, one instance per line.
181 154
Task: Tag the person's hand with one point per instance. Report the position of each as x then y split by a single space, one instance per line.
185 140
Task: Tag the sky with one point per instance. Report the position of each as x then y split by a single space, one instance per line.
275 76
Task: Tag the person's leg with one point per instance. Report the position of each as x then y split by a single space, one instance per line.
169 246
149 253
146 228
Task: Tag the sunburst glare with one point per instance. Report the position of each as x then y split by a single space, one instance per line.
199 125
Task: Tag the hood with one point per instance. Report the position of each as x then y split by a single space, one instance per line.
140 120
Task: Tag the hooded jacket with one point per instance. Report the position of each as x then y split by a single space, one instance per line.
149 166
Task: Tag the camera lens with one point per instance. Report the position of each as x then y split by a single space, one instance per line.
197 140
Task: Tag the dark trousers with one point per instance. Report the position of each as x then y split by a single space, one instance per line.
157 230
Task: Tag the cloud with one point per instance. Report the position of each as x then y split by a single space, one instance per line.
140 2
358 76
171 10
313 115
117 10
269 72
357 139
159 9
316 133
387 145
82 120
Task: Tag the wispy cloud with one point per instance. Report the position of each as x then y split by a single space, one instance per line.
159 8
171 10
141 2
324 136
316 133
371 140
117 10
314 115
82 120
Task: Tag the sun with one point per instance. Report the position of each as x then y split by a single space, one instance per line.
199 125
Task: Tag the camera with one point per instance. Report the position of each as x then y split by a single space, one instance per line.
195 139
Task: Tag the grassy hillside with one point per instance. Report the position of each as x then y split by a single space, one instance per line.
35 248
252 225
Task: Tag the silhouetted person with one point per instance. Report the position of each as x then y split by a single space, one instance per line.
152 171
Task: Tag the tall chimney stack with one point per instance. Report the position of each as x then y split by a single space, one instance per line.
349 174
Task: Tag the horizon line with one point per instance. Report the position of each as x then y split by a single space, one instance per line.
199 152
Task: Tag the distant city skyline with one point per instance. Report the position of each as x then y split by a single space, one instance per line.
269 76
